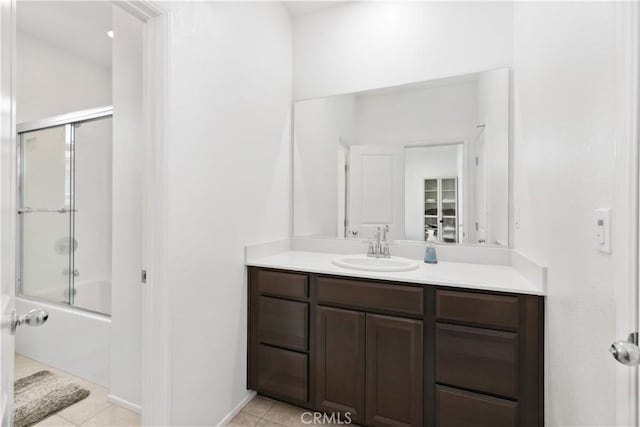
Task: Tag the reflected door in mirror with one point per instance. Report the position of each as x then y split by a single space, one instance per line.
376 193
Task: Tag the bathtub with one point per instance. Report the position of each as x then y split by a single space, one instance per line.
94 295
72 340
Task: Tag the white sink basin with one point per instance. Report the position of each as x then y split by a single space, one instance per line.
363 262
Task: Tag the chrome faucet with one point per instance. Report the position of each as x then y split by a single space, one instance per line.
379 246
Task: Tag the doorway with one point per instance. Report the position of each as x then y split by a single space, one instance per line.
141 124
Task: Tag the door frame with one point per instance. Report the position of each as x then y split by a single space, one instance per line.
468 202
8 181
626 219
156 371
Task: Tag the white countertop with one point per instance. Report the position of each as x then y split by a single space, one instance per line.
486 277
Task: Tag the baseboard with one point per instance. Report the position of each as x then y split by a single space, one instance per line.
125 404
227 419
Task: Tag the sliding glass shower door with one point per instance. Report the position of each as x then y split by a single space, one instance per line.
46 201
65 209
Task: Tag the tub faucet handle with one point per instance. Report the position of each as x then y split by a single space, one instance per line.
35 317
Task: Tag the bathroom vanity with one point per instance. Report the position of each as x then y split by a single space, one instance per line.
345 328
397 349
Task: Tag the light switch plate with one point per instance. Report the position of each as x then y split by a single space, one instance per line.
603 230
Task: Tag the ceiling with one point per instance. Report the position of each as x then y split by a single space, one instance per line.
297 8
78 27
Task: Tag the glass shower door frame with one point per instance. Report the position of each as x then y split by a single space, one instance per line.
70 132
69 121
66 208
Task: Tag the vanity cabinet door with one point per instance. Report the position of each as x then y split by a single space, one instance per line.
394 381
340 362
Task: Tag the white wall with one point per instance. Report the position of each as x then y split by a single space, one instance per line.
417 114
421 163
321 126
364 45
228 186
51 81
128 175
564 112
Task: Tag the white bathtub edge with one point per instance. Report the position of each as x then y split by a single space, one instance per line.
64 308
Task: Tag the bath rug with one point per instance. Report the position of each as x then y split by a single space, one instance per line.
42 394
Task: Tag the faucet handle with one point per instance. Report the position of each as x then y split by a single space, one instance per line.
385 251
371 250
385 231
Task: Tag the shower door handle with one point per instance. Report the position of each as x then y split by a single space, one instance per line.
35 317
32 210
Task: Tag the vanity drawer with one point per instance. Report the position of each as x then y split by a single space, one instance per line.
282 373
370 296
493 311
283 323
283 284
456 408
477 359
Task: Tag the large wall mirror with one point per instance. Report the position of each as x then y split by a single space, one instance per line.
425 156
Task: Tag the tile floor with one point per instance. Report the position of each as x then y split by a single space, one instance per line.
264 412
95 410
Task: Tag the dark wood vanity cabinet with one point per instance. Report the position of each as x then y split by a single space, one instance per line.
279 335
395 354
